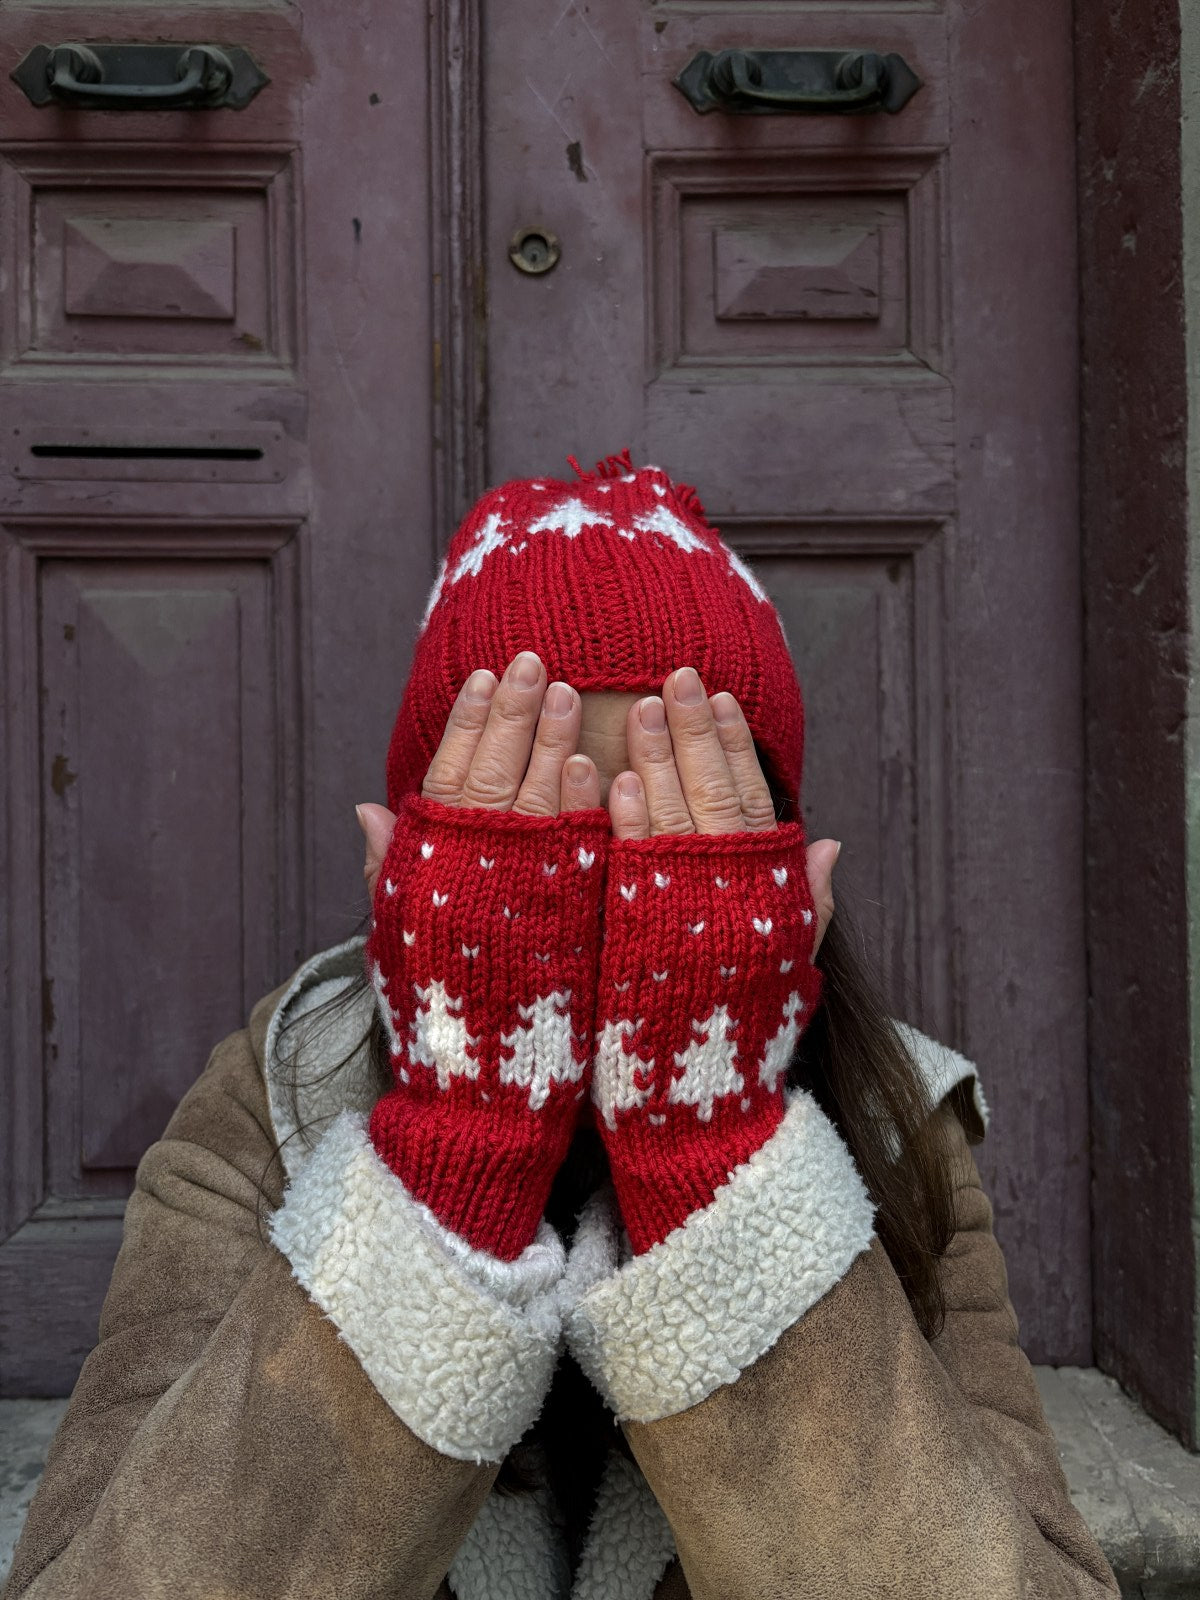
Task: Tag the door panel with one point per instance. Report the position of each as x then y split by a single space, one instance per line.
254 365
216 536
854 335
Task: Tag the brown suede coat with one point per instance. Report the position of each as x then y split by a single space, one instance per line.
223 1440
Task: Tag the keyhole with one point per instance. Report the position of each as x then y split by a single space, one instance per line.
533 250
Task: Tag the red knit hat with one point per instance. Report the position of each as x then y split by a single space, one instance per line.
614 580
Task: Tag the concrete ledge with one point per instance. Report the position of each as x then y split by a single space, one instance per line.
26 1429
1137 1487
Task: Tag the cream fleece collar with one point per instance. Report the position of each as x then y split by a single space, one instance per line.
515 1547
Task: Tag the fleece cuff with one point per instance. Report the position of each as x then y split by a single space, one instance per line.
460 1344
659 1332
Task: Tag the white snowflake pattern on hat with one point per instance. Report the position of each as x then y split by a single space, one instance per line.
568 517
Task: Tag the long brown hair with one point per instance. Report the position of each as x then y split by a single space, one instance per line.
857 1068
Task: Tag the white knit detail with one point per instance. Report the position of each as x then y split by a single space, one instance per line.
570 518
662 520
492 536
781 1046
736 564
394 1281
660 1332
321 1094
629 1543
439 1035
711 1069
709 1066
542 1052
615 1072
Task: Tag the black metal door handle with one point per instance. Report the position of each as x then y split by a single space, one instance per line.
73 72
814 81
139 77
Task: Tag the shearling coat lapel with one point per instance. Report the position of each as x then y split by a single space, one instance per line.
794 1433
515 1547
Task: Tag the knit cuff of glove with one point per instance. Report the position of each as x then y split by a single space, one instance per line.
705 985
483 953
461 1346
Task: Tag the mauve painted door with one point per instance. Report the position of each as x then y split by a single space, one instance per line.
901 470
202 657
202 652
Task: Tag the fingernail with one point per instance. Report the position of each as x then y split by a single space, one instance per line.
652 714
358 812
558 700
578 769
481 686
525 669
725 707
837 852
628 786
688 687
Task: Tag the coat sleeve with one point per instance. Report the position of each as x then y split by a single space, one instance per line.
274 1407
802 1436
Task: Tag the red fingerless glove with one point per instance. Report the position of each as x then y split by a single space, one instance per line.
706 984
484 951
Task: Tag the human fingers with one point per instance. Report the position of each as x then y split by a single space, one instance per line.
555 737
501 756
820 860
452 759
627 807
709 790
580 784
652 758
376 823
754 794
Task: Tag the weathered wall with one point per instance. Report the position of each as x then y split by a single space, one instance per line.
1138 629
1189 79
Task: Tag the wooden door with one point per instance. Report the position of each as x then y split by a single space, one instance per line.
203 653
215 492
856 335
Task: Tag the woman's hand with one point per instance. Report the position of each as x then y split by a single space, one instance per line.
483 953
509 744
695 770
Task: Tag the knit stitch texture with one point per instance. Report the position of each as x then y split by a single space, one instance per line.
484 952
614 580
706 983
